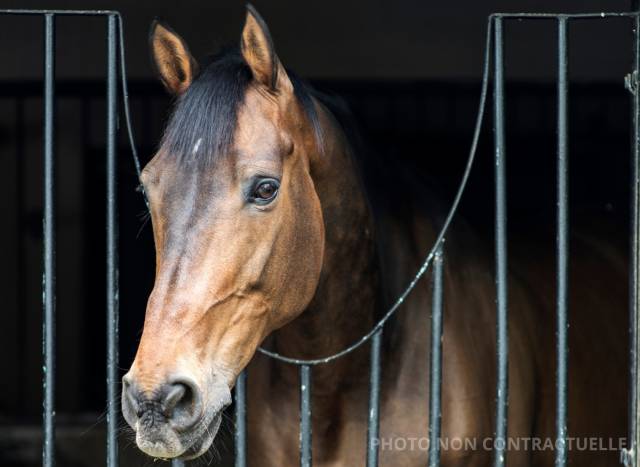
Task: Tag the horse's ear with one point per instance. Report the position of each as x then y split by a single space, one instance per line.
171 57
259 53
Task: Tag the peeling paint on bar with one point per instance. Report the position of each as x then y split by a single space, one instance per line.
305 416
435 372
502 342
562 249
373 424
241 420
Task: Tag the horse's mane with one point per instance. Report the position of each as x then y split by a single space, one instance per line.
396 194
203 119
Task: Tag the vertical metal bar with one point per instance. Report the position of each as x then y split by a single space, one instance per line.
373 427
241 420
630 456
562 249
112 249
177 463
435 412
22 235
305 416
49 249
502 343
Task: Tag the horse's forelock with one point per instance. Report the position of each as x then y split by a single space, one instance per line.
203 121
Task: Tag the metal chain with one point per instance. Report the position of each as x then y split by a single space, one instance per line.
440 239
127 113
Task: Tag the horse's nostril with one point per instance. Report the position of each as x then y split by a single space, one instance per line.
174 396
182 404
177 402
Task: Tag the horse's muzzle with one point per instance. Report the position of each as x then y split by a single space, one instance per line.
169 420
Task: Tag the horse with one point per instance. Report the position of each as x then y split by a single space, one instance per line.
267 233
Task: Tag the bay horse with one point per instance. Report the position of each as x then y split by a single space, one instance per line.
266 234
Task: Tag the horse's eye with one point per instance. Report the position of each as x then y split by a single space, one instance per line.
266 191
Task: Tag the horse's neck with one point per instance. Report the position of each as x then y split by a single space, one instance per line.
343 307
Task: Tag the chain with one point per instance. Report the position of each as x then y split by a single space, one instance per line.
433 252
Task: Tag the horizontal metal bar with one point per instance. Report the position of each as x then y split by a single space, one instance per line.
435 373
49 249
59 12
305 416
241 420
373 427
594 15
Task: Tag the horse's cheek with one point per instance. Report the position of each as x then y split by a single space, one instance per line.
313 246
303 252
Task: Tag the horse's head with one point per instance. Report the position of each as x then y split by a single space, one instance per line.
238 231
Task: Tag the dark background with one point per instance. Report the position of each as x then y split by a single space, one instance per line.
410 71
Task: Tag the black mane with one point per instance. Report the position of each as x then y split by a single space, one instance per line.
205 116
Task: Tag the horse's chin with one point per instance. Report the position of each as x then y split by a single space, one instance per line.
203 443
169 445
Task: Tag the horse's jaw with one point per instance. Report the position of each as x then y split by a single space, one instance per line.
202 445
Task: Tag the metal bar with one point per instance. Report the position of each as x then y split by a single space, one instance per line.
630 457
49 248
502 343
241 420
112 248
177 463
305 416
594 15
435 373
373 427
18 11
562 250
22 257
522 15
